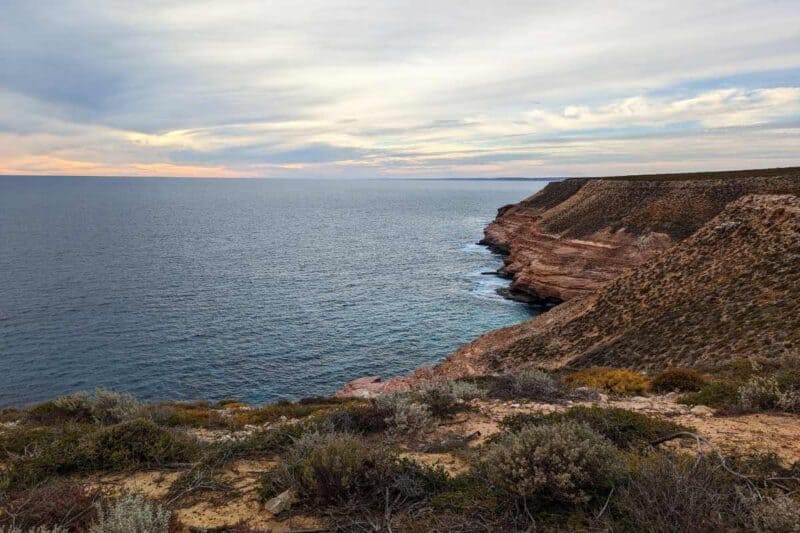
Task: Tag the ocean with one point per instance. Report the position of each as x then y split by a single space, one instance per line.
203 289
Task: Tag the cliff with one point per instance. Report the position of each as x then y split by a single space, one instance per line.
732 289
576 235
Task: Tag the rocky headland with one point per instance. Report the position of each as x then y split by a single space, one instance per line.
578 234
654 271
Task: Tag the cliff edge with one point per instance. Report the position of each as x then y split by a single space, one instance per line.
730 290
575 235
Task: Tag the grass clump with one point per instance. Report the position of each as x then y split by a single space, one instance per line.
625 429
678 379
341 469
563 463
129 514
619 381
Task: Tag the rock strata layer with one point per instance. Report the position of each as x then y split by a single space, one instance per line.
575 235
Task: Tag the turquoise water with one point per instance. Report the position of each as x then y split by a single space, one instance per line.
255 289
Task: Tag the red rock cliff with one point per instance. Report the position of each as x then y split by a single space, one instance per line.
576 235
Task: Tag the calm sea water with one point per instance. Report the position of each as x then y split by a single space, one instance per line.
254 289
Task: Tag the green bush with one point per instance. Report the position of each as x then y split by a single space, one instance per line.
759 394
141 443
678 379
59 450
406 416
564 463
716 394
626 429
102 407
466 390
338 469
71 408
440 400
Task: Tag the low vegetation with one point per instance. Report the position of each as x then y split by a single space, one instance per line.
625 429
564 463
619 381
744 385
678 380
358 464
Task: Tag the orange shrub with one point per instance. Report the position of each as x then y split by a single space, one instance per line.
612 380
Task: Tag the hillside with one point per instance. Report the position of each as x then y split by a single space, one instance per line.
730 290
575 235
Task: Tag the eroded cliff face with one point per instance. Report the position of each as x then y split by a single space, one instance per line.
655 273
576 235
730 290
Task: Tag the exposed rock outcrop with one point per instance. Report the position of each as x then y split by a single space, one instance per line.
730 290
576 235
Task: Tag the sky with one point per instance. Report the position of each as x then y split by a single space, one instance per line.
410 88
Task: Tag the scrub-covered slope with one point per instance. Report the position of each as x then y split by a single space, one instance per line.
730 290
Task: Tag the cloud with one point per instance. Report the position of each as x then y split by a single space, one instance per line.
322 88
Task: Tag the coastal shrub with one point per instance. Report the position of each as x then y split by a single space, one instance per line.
57 504
667 492
561 463
759 393
620 381
102 407
626 429
466 390
440 400
129 514
337 469
779 514
532 384
405 416
109 407
141 443
361 419
58 450
717 394
71 408
193 415
678 379
276 411
789 401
